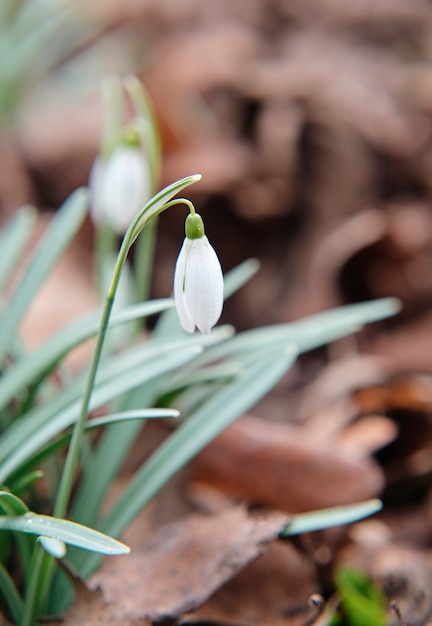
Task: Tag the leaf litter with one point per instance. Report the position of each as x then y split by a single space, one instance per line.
182 565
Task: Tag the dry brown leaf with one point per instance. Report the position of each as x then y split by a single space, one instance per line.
272 591
186 562
363 438
281 466
411 392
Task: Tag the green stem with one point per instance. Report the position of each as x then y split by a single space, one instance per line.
66 482
143 263
106 248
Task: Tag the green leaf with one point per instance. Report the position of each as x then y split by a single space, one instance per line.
336 516
116 441
11 504
46 422
201 428
52 245
54 547
236 278
99 422
40 362
13 240
126 416
10 594
25 481
362 601
70 532
307 334
222 373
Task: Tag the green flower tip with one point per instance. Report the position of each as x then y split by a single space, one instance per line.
194 226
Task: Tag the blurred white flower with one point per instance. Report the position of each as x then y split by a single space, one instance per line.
119 187
198 281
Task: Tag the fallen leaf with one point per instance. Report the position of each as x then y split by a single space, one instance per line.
367 435
272 591
177 570
280 466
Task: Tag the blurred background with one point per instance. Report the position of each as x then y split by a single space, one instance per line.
309 120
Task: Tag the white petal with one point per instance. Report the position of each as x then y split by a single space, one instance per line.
126 186
186 321
203 287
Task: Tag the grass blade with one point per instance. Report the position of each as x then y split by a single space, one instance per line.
201 428
37 428
10 594
307 334
52 351
13 240
336 516
52 245
23 478
69 532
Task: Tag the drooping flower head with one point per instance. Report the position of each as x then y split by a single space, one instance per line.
198 280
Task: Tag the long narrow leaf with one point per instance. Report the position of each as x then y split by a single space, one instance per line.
63 530
43 359
13 240
12 504
326 518
54 547
201 428
309 333
51 247
43 431
114 444
118 366
9 593
106 420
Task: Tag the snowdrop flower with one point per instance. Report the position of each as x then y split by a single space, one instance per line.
198 280
120 186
